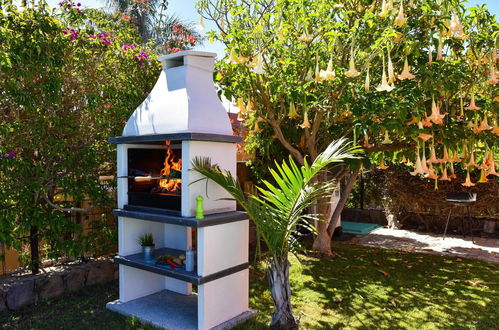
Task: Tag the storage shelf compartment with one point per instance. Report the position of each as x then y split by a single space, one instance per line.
154 215
138 261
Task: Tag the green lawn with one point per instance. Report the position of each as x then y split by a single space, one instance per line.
364 288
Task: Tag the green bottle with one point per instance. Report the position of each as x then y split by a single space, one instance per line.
199 207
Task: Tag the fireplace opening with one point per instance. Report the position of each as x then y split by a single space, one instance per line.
155 178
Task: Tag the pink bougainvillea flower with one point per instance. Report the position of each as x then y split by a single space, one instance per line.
406 74
472 105
65 31
400 19
468 182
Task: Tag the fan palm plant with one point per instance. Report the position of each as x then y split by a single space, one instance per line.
278 209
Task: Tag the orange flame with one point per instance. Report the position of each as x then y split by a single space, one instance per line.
169 165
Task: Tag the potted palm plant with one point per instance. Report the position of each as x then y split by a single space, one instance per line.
277 209
147 243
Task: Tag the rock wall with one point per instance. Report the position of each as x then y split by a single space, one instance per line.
19 291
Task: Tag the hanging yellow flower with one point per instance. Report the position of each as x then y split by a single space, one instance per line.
233 58
400 19
391 72
492 78
406 74
318 77
472 105
367 83
305 37
251 107
435 116
258 64
444 176
382 165
384 9
329 73
387 139
484 126
352 71
468 182
257 128
292 111
483 177
452 174
309 76
418 168
306 123
440 55
384 86
424 163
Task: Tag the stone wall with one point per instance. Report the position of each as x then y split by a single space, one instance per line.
19 291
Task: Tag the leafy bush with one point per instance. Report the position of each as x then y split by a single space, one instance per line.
69 79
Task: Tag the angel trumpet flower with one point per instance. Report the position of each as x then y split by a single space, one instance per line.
476 128
292 111
495 130
233 59
483 177
492 169
472 105
384 86
387 139
318 77
455 25
424 163
472 161
433 156
431 173
430 55
384 9
440 50
258 64
382 165
400 19
452 174
257 127
240 105
306 123
329 73
367 83
305 37
445 158
468 182
406 74
391 72
444 176
425 137
484 126
435 116
352 71
418 169
366 143
414 120
493 78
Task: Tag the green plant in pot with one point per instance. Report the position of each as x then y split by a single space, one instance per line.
147 242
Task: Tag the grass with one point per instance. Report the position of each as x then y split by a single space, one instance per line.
364 288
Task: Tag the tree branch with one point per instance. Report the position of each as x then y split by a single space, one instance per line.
65 209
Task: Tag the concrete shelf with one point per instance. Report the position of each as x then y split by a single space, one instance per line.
138 261
209 220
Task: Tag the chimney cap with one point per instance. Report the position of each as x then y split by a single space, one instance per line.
184 53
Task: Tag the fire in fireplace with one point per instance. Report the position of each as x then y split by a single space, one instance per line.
154 178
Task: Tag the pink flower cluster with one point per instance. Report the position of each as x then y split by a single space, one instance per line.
8 155
141 57
126 47
72 33
180 40
71 6
105 37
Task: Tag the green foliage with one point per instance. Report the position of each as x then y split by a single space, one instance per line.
279 208
146 240
300 52
67 84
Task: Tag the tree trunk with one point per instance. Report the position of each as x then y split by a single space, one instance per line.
345 193
278 276
34 248
322 241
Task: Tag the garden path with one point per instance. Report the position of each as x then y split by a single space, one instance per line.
486 249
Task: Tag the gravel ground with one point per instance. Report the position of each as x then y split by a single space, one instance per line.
486 249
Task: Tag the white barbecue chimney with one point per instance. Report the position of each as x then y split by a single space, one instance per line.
183 100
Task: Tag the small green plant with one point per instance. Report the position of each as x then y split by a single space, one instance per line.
146 240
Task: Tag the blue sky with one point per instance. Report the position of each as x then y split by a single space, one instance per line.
186 9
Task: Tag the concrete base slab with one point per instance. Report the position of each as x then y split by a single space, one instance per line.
170 310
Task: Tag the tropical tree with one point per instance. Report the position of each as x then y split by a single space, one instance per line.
278 209
408 80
